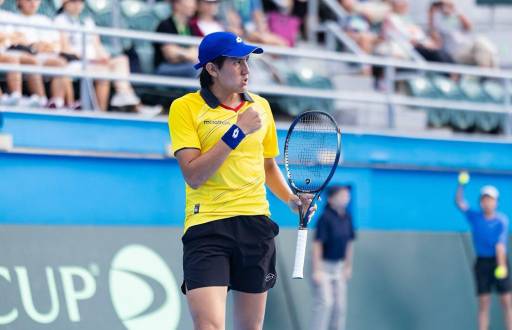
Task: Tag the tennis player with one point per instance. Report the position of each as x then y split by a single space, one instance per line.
490 234
225 141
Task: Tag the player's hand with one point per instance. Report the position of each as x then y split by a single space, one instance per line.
303 201
249 121
501 272
463 178
318 277
347 271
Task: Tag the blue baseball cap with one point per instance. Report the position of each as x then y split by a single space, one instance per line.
223 44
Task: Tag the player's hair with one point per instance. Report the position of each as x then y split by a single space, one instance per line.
205 79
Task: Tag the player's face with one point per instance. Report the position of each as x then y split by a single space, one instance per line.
234 75
29 7
488 204
340 199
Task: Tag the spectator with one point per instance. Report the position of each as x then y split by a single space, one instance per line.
13 78
332 261
452 30
206 20
399 26
172 59
373 11
40 47
283 20
246 18
98 58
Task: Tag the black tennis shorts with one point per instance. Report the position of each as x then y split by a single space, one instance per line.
485 279
236 252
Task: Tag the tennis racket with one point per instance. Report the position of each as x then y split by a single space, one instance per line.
311 153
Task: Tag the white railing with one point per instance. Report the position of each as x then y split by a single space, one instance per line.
389 98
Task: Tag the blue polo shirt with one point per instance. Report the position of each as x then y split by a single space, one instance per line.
335 232
487 232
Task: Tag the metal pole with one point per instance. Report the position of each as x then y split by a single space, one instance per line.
508 108
116 22
389 76
312 20
85 95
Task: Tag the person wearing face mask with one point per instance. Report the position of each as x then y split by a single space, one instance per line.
489 229
332 261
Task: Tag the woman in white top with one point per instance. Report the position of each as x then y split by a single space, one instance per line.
41 47
97 57
206 20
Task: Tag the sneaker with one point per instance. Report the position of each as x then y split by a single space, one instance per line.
124 99
10 100
31 102
75 106
149 110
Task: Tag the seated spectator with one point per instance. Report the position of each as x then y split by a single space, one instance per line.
40 47
97 57
282 19
172 59
373 11
358 27
206 21
452 29
13 79
246 18
398 26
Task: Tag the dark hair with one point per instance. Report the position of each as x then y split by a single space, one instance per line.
333 190
205 79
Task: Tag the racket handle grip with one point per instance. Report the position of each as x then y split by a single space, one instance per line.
300 253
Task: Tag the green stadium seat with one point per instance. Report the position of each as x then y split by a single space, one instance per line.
423 87
140 16
447 89
492 122
162 10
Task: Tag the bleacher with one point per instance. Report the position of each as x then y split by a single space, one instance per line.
322 75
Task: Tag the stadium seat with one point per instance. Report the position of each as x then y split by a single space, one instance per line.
101 12
492 122
162 10
446 89
296 105
140 16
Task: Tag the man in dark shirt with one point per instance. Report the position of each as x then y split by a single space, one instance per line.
332 261
172 59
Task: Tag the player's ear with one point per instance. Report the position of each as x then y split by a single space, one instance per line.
212 69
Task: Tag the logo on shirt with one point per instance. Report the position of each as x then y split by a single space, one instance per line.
235 133
216 122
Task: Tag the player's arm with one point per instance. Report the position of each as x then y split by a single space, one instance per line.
460 200
276 182
501 254
501 250
197 168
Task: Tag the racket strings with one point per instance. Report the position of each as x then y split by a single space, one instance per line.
311 151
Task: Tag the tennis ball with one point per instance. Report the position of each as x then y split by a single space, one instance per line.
463 178
500 272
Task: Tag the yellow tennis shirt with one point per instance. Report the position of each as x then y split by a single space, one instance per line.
198 120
